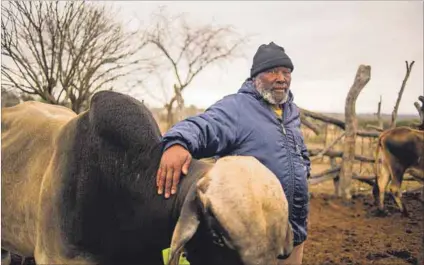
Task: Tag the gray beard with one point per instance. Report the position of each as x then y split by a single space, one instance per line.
270 98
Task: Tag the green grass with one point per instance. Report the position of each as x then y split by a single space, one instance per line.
165 255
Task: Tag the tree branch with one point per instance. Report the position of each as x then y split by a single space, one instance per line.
402 88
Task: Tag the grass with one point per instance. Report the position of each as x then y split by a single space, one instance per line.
165 255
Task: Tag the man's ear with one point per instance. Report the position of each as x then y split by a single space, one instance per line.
189 220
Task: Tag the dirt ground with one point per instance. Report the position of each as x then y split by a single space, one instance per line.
352 234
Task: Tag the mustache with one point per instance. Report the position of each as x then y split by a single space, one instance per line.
280 83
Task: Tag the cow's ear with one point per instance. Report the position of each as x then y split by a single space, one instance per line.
188 221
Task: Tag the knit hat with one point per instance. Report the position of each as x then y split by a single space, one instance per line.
269 56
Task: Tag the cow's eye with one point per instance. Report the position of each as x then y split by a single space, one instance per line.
217 239
217 232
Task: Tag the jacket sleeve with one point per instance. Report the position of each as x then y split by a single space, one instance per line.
211 133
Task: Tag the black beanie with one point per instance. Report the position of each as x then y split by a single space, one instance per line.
269 56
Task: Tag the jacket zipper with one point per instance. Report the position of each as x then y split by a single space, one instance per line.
292 175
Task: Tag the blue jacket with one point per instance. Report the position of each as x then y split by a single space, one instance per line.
243 124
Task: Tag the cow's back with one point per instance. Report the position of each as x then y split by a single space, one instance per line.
28 133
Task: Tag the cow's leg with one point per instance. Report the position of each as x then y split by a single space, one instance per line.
397 195
376 192
397 172
382 181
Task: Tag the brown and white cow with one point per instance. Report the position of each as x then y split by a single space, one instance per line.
402 151
81 189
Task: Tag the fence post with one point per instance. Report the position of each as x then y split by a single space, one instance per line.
325 139
361 79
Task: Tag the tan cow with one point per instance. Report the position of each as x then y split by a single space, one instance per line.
29 135
81 189
402 151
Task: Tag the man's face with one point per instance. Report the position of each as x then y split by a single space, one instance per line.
274 84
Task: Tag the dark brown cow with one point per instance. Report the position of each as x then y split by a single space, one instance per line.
402 151
81 189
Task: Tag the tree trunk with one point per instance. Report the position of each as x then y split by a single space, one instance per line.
179 115
402 88
361 79
169 116
380 120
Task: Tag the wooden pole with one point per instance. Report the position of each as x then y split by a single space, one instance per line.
321 154
420 109
362 77
362 153
332 153
380 125
379 118
325 139
402 88
339 123
309 124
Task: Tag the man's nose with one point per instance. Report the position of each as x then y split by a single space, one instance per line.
280 77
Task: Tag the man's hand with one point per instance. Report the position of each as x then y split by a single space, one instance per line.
175 160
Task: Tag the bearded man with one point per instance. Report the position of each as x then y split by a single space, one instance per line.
260 120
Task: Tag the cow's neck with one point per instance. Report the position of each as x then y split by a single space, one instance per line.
197 170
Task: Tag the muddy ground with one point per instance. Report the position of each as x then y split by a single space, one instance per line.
340 234
351 234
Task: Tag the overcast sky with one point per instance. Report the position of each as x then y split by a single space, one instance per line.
327 41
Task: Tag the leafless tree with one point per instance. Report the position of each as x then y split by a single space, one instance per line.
188 49
402 88
64 52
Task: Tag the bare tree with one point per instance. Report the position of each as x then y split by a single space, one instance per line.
402 88
189 49
64 52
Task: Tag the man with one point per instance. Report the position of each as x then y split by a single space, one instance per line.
260 120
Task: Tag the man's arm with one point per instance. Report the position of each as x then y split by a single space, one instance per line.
210 133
